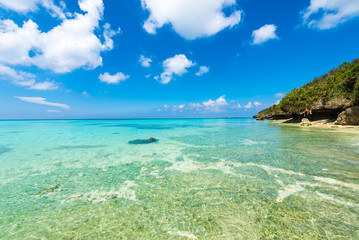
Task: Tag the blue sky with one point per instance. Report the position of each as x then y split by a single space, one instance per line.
165 58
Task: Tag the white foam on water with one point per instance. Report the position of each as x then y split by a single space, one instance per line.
183 234
280 182
333 200
336 182
184 166
250 142
288 190
270 169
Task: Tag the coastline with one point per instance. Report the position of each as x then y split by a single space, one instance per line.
321 124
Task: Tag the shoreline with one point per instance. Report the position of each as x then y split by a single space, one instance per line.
320 124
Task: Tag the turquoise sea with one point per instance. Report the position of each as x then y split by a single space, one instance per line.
203 179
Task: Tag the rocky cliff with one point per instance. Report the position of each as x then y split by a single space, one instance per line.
335 95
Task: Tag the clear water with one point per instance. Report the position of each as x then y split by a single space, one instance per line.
204 179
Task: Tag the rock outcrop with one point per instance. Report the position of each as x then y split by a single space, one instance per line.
305 122
333 94
349 117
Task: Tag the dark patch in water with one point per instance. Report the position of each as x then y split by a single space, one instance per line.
14 132
143 141
4 149
69 147
93 124
116 133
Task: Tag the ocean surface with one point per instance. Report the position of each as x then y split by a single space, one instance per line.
203 179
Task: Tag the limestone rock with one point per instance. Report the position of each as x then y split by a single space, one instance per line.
305 122
332 104
349 117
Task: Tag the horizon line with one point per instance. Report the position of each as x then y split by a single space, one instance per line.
40 119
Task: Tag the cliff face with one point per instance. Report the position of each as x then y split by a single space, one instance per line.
323 98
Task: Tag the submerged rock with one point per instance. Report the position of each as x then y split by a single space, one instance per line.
143 141
349 117
49 189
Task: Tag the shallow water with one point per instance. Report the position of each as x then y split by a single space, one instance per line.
204 179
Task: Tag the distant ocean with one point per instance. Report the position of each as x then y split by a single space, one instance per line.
203 179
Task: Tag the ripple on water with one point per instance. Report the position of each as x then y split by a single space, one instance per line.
72 147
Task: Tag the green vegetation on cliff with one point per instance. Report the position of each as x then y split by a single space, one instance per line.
339 84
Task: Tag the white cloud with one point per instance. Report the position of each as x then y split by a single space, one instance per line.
53 111
18 78
190 19
47 85
25 6
221 101
71 45
176 65
84 93
264 34
202 70
194 105
113 79
326 14
279 95
145 61
277 102
249 105
215 105
41 100
25 79
178 108
239 105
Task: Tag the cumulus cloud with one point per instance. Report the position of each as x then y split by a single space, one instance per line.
145 61
215 105
71 45
191 19
176 65
194 105
263 34
25 6
326 14
254 104
249 105
202 70
47 85
113 79
219 105
42 101
221 101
